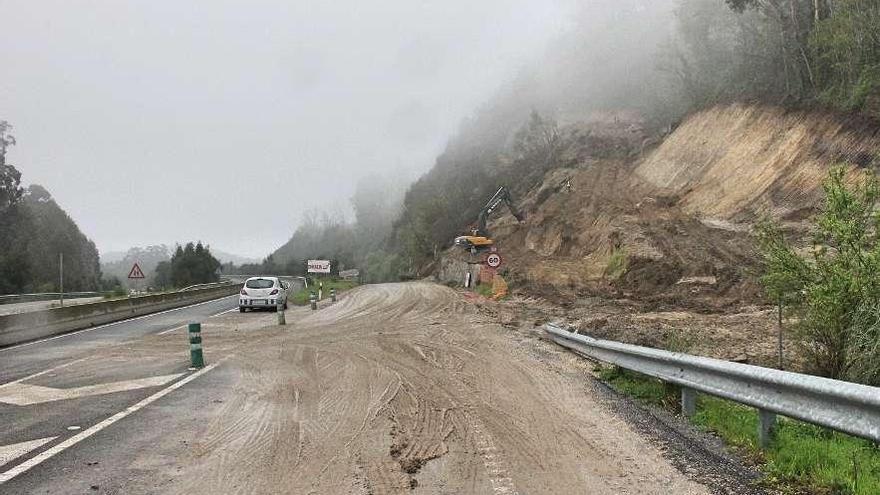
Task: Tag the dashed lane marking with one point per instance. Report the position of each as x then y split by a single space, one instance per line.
164 332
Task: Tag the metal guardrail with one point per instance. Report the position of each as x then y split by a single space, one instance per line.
207 286
842 406
44 296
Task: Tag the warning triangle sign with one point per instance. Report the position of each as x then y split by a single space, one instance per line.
136 272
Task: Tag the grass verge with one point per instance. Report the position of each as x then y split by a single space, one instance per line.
802 458
301 297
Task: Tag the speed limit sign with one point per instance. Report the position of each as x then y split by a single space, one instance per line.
493 260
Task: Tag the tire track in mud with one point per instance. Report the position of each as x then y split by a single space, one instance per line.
403 388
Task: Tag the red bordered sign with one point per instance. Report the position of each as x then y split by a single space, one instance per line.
136 272
493 260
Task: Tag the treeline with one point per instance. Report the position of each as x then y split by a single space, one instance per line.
781 51
34 231
659 60
189 265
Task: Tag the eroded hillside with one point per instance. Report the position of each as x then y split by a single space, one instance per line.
667 226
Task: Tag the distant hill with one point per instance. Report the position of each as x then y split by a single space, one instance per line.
112 256
117 264
225 257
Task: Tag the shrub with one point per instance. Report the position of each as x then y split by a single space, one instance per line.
835 289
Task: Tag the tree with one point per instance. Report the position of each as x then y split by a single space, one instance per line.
10 178
835 290
193 264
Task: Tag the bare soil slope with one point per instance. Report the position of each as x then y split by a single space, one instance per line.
660 240
673 224
739 161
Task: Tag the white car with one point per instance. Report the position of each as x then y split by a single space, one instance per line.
263 292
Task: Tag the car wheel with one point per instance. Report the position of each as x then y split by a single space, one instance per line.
285 305
274 309
241 310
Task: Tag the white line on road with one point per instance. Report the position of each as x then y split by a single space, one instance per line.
224 312
109 325
165 332
41 373
9 453
23 394
70 442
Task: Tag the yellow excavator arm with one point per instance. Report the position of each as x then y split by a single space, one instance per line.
481 239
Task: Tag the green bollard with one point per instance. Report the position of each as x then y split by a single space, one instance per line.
195 345
313 300
332 295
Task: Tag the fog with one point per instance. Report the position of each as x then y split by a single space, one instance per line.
160 122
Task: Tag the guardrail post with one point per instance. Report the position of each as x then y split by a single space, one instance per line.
313 300
195 345
332 295
766 425
688 401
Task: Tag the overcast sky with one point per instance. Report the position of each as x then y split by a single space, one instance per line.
167 121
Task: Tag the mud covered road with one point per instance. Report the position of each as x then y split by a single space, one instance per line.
400 388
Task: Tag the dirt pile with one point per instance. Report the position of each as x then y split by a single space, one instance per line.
670 225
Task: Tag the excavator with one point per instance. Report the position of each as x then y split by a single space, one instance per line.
480 239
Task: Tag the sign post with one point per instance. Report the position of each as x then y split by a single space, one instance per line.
61 277
136 273
319 267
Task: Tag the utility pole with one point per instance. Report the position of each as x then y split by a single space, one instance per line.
61 276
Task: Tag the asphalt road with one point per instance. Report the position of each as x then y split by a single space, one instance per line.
400 388
56 388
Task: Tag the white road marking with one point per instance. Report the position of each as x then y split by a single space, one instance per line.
165 332
9 453
66 444
109 325
23 394
41 373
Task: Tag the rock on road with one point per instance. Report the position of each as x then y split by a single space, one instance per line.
398 388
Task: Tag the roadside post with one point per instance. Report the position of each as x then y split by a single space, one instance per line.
61 277
313 300
332 295
195 345
321 290
282 320
780 348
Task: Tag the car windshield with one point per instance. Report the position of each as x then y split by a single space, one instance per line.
259 283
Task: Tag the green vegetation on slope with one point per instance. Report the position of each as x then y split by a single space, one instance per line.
34 231
835 289
800 457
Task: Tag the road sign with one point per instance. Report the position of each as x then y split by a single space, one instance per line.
493 260
136 272
319 266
